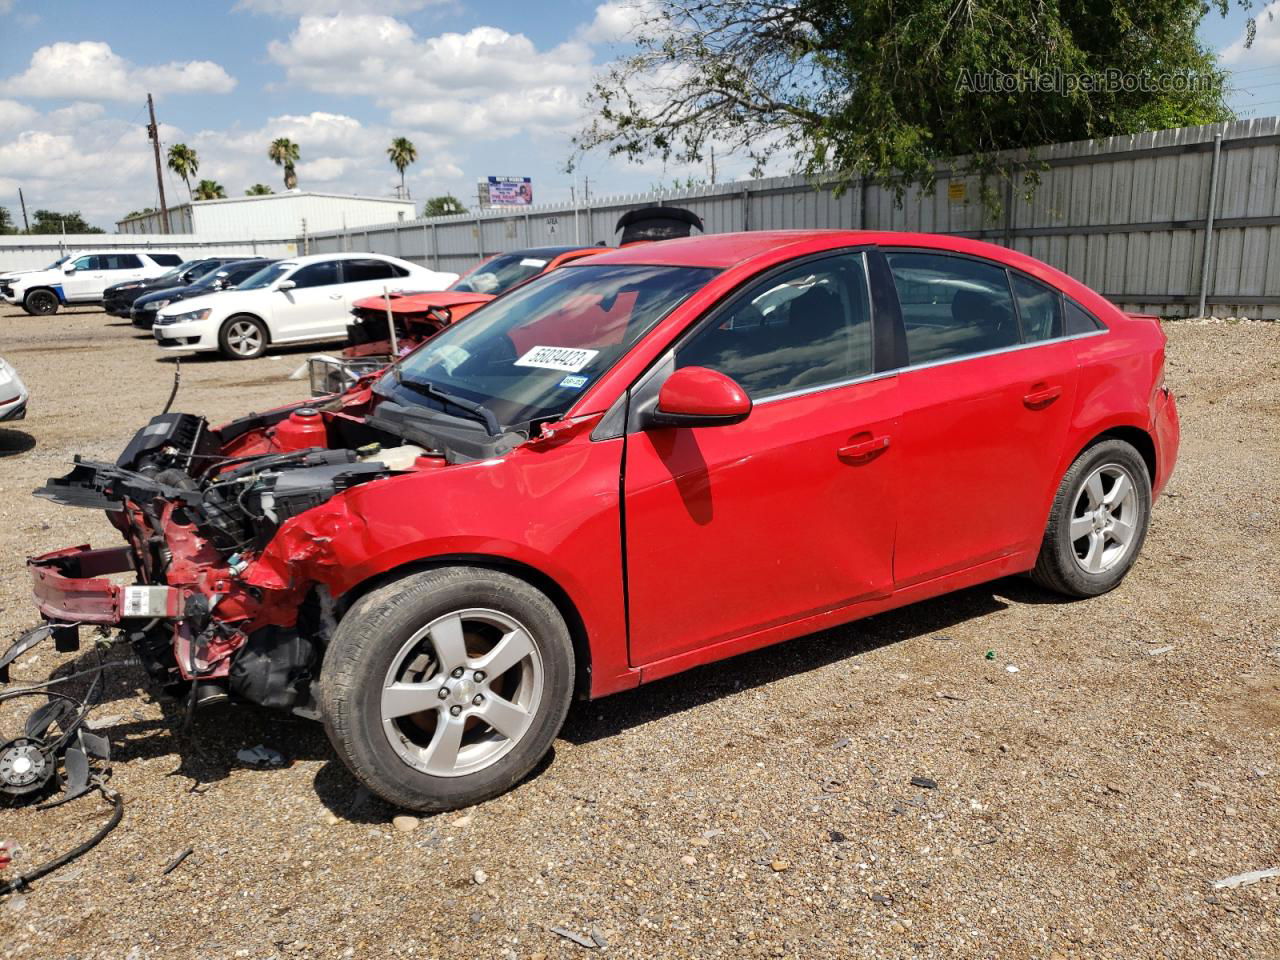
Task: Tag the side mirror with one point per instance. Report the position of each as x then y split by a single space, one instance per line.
68 268
285 285
699 397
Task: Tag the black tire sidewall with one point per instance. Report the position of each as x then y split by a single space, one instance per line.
41 296
224 346
370 636
1068 572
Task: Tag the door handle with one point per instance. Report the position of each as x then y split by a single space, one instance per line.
335 296
1042 397
864 449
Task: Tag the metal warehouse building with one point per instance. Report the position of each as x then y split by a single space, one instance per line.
272 217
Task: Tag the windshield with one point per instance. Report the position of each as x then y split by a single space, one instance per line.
266 276
499 274
529 355
59 262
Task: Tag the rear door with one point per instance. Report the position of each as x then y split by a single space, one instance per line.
985 410
730 530
315 309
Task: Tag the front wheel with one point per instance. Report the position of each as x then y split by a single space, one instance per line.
1098 522
41 303
243 338
447 687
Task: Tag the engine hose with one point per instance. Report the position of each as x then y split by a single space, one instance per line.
23 881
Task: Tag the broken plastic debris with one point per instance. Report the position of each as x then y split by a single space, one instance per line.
1158 650
991 654
260 756
1244 879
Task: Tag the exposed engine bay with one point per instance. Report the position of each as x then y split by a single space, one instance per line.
207 613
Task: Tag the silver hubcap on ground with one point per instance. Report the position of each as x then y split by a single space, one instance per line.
1104 520
244 338
461 692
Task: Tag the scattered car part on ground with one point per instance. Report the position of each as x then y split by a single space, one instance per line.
298 300
529 504
83 278
225 276
13 394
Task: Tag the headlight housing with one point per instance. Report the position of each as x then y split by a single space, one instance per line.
188 317
156 304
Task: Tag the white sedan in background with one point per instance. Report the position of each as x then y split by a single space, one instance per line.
291 301
13 394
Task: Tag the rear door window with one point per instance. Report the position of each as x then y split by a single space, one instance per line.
952 306
119 261
1039 308
356 271
165 259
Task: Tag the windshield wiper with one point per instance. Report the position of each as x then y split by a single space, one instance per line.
478 410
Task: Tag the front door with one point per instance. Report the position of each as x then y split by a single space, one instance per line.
86 277
986 404
314 309
734 529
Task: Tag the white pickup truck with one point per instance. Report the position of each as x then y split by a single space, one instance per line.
82 277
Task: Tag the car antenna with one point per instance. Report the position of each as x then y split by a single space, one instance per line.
177 379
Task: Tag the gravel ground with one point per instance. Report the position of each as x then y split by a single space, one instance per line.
761 807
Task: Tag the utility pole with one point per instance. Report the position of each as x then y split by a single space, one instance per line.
22 200
713 166
153 134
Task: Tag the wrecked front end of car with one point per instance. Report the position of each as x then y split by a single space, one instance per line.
204 590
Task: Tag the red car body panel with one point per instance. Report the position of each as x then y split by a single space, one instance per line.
668 548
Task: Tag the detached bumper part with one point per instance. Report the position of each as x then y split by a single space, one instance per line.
70 586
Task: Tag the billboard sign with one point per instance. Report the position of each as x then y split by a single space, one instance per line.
510 191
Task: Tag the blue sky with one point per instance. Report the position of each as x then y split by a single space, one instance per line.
491 88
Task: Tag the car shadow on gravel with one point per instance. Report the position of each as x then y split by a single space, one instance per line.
589 721
14 442
288 350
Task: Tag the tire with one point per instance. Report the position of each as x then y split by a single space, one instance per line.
243 337
409 633
1111 474
41 303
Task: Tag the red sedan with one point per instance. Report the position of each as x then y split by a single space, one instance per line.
658 457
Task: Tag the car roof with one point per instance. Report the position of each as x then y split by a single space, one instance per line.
548 252
317 257
724 250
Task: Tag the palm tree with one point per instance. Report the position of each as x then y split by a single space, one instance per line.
259 190
283 152
210 190
401 153
184 162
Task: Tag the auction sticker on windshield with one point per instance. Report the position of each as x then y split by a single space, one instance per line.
570 359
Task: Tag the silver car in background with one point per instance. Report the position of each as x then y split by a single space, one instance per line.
13 394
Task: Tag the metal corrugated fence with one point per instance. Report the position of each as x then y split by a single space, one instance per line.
1125 215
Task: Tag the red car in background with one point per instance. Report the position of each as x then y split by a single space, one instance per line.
652 459
418 316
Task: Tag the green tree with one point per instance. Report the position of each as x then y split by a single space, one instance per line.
6 222
51 221
259 190
401 153
209 190
284 153
139 213
184 162
885 89
442 206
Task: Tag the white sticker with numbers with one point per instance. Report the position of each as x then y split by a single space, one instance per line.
569 359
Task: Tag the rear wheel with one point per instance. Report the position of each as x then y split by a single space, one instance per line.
1098 522
41 303
447 687
243 338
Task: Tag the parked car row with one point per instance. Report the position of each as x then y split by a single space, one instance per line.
117 300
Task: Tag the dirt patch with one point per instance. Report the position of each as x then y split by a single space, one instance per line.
757 808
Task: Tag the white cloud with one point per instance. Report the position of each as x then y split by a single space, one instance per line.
482 83
1266 44
14 114
299 8
90 70
615 21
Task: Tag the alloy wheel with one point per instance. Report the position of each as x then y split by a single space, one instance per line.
1104 519
461 692
244 338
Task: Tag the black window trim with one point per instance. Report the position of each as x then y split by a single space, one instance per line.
643 392
882 251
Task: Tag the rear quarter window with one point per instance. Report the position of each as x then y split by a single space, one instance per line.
1079 320
165 259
